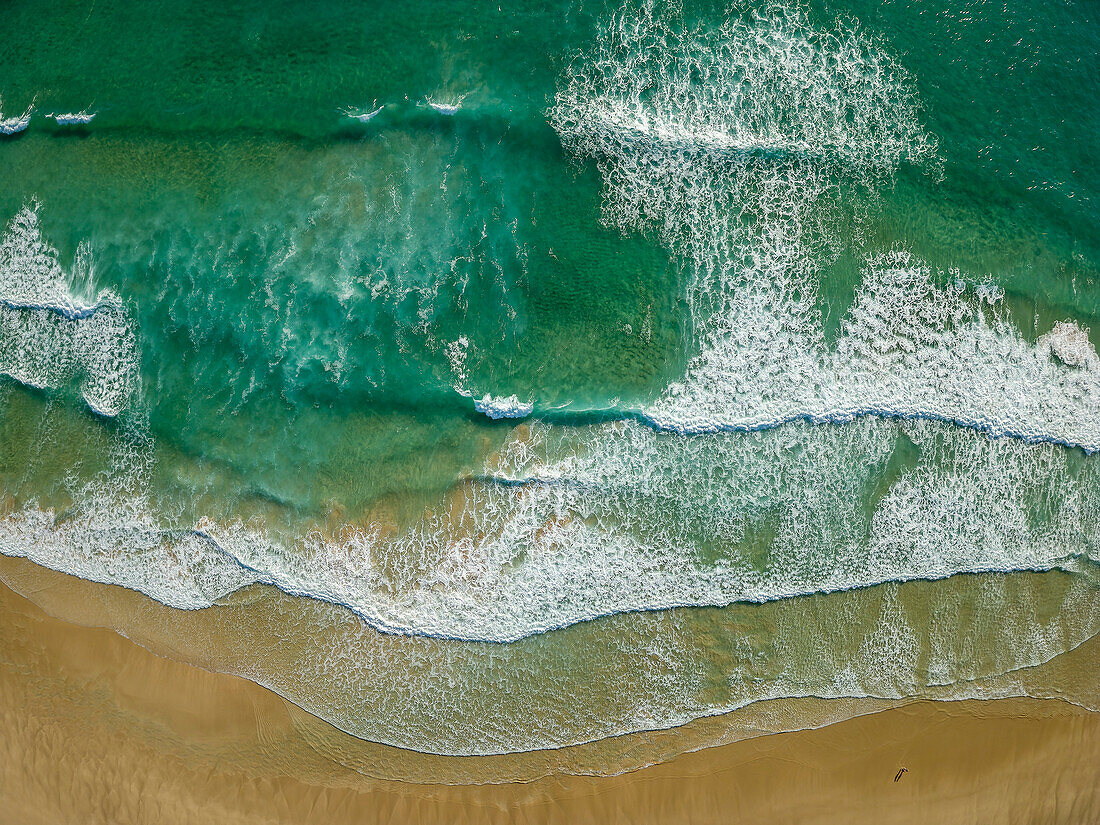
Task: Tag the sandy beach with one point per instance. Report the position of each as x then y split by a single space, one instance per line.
97 729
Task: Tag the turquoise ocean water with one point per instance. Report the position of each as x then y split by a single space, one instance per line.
555 371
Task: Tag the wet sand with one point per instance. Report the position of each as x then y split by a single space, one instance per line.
96 729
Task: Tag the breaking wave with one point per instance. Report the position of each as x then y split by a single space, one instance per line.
716 141
81 118
55 329
15 124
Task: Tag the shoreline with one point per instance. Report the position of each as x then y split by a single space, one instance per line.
286 644
99 729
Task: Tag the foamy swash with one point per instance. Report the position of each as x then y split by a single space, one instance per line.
440 697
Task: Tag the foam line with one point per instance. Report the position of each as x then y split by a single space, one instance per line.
445 108
234 572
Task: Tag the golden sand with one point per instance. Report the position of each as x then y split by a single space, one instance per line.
96 729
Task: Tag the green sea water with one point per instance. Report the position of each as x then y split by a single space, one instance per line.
559 355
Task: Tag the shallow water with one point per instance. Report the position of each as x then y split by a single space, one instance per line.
564 372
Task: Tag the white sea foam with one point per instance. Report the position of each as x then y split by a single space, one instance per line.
624 519
119 542
495 407
503 407
909 346
17 123
81 118
457 353
55 327
638 521
114 534
1070 344
738 172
